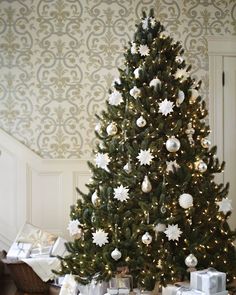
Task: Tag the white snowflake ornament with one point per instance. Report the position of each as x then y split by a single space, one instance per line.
121 193
136 73
100 238
102 160
225 205
115 98
145 157
73 227
134 48
173 232
166 107
171 165
143 50
135 92
181 74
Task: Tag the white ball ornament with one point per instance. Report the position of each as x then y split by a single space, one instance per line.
191 261
141 122
116 254
147 238
205 142
172 144
155 82
201 166
136 72
111 129
186 201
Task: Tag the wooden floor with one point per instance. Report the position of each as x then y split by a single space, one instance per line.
7 287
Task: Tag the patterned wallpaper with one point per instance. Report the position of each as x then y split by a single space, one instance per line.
59 57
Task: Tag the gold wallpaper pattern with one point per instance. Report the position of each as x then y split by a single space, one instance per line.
58 59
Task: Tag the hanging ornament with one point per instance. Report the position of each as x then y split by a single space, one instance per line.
181 74
171 166
100 237
160 227
179 59
155 82
121 193
145 157
116 254
137 72
165 107
205 142
164 34
190 131
201 166
147 238
134 48
135 92
115 98
163 209
225 205
191 261
141 122
95 199
144 50
73 227
93 217
111 129
194 95
146 185
128 167
172 144
186 201
180 99
173 232
102 160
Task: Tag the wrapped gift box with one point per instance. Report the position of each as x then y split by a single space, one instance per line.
94 288
59 248
119 282
19 250
209 281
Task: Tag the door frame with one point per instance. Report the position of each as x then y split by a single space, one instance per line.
218 48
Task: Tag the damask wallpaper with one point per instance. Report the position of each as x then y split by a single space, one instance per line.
59 57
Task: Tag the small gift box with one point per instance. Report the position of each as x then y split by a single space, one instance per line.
41 252
209 281
19 250
119 282
94 288
59 248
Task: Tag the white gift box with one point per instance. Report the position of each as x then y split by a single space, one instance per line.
120 282
19 250
94 288
209 281
41 252
59 248
69 286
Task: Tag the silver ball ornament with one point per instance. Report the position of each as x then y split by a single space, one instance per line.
111 129
186 201
147 238
95 199
141 122
172 144
146 185
205 142
191 261
116 254
201 166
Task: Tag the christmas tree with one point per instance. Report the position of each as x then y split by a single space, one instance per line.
152 205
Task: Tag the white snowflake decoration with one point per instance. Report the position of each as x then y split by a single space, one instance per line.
145 157
171 165
166 107
182 74
102 160
100 238
135 92
154 82
173 232
134 48
115 98
144 50
121 193
73 227
136 72
225 205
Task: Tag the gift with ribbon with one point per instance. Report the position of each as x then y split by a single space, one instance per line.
19 250
209 281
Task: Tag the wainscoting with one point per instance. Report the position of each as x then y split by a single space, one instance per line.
36 190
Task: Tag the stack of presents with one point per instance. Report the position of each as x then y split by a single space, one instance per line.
39 250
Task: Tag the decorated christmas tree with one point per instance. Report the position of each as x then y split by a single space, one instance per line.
152 205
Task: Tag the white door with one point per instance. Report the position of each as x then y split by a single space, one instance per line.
229 130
